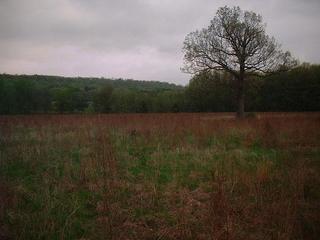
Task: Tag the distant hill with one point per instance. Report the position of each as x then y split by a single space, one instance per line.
90 83
20 94
294 90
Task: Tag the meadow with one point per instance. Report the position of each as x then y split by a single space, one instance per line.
160 176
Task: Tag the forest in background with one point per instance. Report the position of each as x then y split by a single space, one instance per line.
295 90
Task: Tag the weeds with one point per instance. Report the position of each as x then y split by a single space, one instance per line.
160 176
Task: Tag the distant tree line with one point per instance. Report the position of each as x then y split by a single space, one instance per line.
23 94
295 90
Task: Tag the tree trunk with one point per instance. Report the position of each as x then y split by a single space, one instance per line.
240 97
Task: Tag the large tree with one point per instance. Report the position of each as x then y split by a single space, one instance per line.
235 42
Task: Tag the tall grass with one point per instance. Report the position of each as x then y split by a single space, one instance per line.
160 176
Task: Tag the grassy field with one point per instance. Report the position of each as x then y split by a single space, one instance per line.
160 176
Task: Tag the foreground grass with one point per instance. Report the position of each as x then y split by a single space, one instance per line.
160 176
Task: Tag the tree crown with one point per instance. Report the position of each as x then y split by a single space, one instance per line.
236 42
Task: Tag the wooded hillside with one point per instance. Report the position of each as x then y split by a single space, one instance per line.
295 90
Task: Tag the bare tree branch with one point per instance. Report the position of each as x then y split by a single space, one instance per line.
235 42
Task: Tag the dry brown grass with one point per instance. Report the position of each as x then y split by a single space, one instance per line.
160 176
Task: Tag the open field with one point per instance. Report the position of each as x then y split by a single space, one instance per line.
160 176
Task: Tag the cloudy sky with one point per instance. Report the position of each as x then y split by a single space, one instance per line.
140 39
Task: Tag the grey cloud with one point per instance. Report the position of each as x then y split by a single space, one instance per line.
140 39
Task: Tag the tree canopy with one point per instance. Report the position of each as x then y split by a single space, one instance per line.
294 90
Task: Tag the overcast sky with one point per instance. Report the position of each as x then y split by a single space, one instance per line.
140 39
